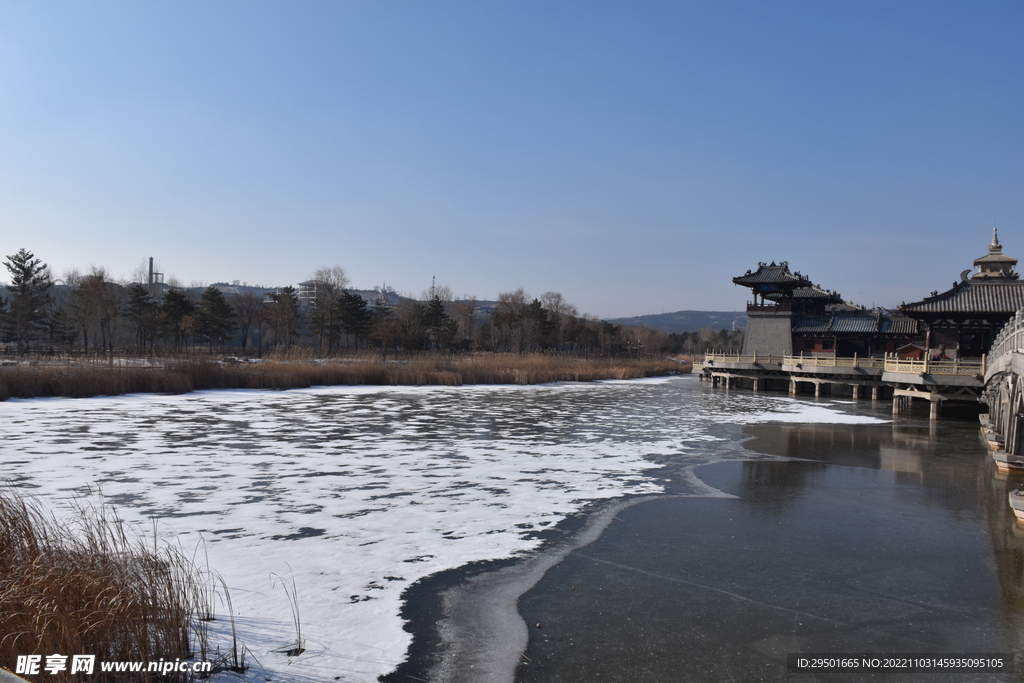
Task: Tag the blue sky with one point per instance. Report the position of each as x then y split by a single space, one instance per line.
633 156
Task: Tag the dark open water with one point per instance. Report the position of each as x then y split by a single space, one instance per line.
875 538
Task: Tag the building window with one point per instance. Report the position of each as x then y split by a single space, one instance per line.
808 344
826 345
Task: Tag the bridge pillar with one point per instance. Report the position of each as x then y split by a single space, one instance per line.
1015 440
874 393
817 389
756 383
792 387
933 410
897 404
856 392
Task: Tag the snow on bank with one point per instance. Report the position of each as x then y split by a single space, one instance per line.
362 491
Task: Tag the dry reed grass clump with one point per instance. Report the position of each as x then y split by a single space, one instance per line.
88 587
78 381
295 373
423 370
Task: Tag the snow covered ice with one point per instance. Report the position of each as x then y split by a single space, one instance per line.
360 491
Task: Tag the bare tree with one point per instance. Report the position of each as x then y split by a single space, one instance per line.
329 284
560 312
465 313
510 321
248 311
98 302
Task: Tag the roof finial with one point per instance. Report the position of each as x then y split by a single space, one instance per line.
995 246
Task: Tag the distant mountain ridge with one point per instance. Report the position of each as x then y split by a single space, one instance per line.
686 321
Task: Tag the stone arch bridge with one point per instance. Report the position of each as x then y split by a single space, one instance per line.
1003 426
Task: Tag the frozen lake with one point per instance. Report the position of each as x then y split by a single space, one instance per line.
359 492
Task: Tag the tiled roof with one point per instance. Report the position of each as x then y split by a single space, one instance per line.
845 322
814 292
995 258
854 323
771 274
811 324
973 297
898 325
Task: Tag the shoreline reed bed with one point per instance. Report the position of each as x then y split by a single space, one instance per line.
88 586
193 375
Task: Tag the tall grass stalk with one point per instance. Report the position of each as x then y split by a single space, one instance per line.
237 656
87 586
299 646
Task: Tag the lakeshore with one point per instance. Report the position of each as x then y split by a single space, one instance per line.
181 376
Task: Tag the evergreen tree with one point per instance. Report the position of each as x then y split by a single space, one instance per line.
543 325
216 317
30 291
179 310
142 314
354 315
382 328
60 329
3 318
440 327
285 316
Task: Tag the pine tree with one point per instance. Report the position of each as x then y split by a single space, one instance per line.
216 317
285 316
354 315
179 309
440 327
141 312
30 291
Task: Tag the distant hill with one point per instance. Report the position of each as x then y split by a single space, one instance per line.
687 321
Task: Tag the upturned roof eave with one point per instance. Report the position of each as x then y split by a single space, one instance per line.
942 296
922 307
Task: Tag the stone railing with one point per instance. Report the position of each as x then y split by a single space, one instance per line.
888 364
833 362
755 358
801 361
935 367
1010 338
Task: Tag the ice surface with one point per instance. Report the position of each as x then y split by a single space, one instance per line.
358 492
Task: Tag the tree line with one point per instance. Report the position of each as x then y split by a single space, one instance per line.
93 313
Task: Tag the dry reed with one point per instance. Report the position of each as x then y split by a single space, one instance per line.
89 587
182 377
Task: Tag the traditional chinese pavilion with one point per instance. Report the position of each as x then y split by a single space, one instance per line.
795 316
963 320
